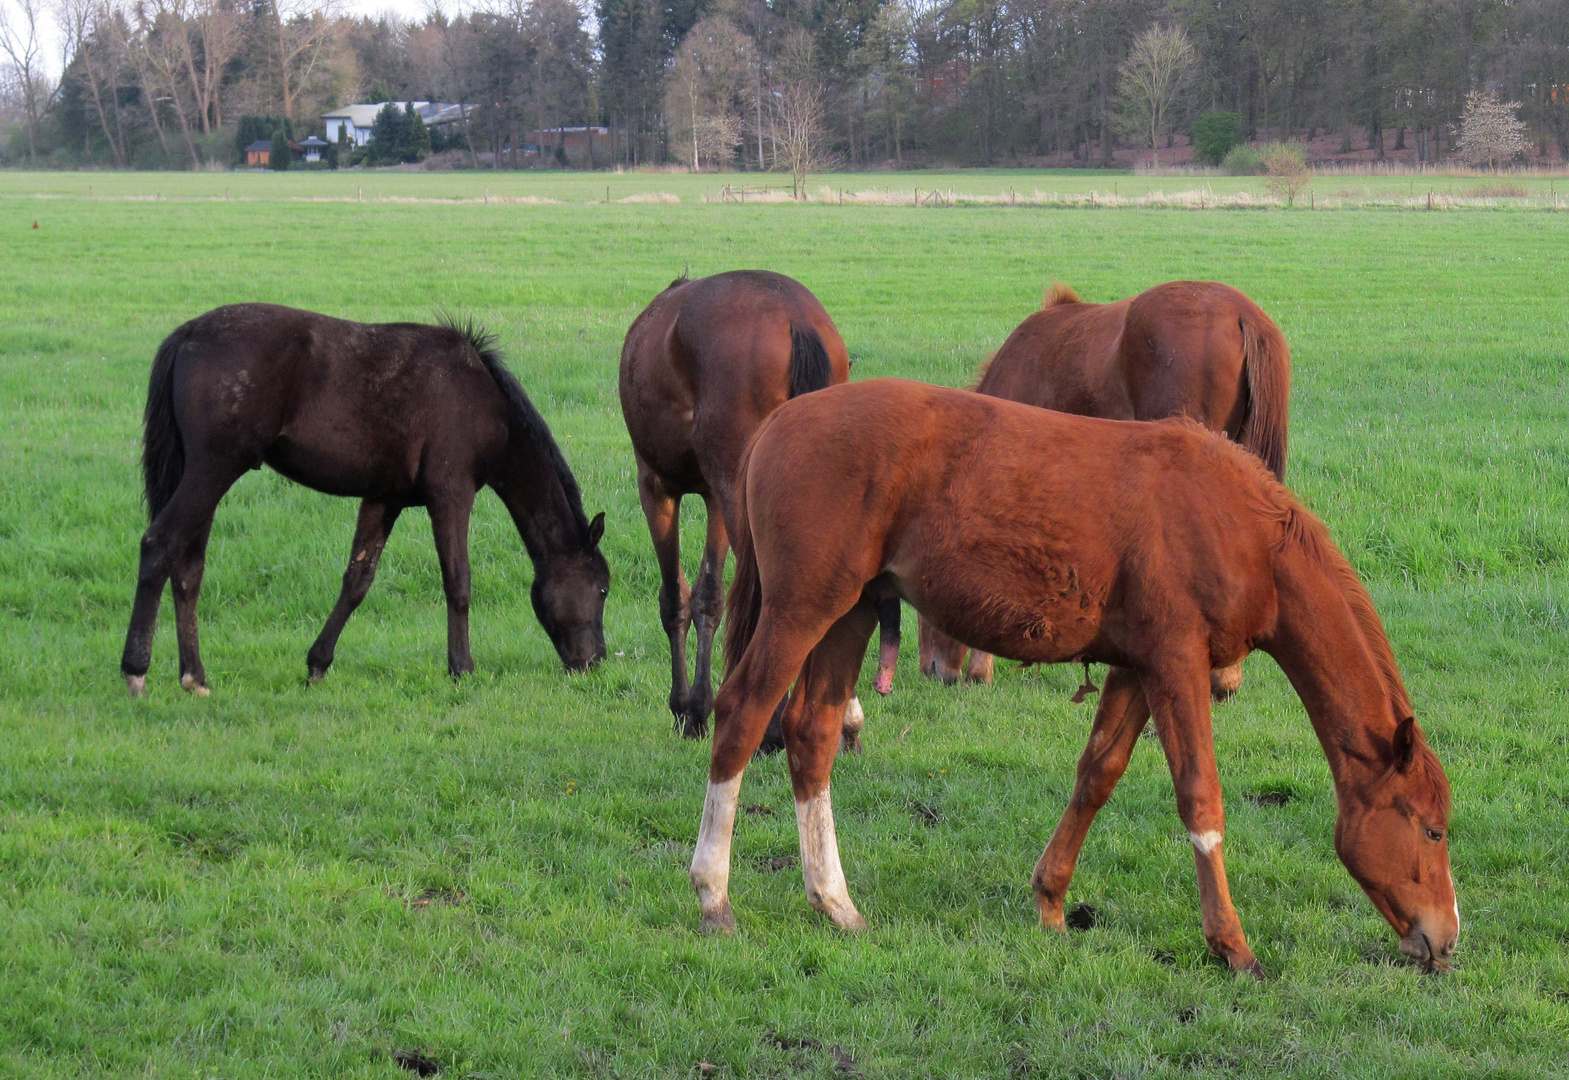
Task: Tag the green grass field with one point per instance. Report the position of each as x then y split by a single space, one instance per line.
293 881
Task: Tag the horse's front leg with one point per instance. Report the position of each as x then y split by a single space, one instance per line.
449 521
888 622
813 722
1179 698
375 523
745 703
708 601
1119 719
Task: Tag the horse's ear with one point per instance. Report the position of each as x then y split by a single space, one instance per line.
596 528
1405 742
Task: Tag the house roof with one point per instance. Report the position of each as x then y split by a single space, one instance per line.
258 146
432 112
313 141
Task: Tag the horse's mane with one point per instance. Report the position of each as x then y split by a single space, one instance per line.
1058 293
1304 530
523 417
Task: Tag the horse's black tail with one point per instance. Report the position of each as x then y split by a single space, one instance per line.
163 451
810 367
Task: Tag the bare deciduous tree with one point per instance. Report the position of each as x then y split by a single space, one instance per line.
301 30
1152 82
1490 130
713 68
20 41
800 102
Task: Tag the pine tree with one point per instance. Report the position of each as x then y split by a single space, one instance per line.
418 143
278 154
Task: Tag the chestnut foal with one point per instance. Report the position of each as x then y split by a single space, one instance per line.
1159 548
701 367
1198 349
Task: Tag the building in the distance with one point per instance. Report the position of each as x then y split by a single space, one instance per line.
359 119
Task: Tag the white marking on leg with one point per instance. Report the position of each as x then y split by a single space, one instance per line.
1206 842
711 859
820 867
854 715
136 685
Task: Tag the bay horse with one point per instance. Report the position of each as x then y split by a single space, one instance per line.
1159 548
702 366
1198 349
395 414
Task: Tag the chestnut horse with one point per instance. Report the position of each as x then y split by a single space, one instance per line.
1159 548
1198 349
702 367
395 414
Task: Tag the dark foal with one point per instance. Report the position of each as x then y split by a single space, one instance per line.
1198 349
702 367
396 414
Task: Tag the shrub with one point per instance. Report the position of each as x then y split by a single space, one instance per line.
1285 170
1214 135
278 154
1242 160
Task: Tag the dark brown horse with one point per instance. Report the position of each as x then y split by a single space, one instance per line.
1159 548
395 414
702 367
1198 349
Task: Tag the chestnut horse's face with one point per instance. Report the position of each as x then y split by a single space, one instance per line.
569 600
1394 838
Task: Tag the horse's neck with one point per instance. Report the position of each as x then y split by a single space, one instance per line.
537 499
1321 646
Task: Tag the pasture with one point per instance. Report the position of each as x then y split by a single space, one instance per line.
390 871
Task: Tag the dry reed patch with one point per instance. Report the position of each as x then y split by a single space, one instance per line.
651 197
1498 191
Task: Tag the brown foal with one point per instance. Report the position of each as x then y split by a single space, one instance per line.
1198 349
1161 549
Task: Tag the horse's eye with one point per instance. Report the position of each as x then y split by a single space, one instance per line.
1435 835
603 593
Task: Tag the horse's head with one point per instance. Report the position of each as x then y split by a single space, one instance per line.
1393 835
569 600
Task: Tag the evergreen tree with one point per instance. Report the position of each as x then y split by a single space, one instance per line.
418 147
278 154
388 136
1214 134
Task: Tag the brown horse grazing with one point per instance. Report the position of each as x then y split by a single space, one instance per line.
702 367
1198 349
1159 548
395 414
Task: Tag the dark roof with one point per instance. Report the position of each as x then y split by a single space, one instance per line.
259 145
313 141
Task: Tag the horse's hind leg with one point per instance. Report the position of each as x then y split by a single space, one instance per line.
663 512
449 521
174 546
707 606
1121 716
813 722
370 537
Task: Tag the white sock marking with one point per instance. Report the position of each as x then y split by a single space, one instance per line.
711 858
820 867
1206 842
854 715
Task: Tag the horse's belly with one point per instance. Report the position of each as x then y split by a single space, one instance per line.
347 469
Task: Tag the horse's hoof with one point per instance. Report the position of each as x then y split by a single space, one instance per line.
883 684
1250 966
719 921
316 675
136 685
850 921
194 687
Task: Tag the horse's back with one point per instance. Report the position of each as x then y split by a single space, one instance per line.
344 407
1061 358
707 361
1014 527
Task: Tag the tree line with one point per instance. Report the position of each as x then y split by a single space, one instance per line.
790 84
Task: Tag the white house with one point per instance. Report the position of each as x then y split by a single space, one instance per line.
359 119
